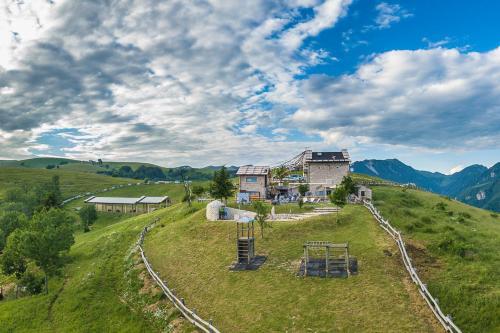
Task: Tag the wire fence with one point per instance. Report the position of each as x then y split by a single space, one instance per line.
445 320
180 304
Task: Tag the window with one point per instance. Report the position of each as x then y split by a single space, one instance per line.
251 179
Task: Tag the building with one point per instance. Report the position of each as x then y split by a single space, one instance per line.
363 193
254 182
128 205
323 171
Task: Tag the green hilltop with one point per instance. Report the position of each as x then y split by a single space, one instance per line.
104 287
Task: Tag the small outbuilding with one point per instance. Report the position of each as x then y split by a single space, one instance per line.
363 193
128 205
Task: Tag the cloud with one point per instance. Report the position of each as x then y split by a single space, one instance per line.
387 15
167 82
435 99
439 43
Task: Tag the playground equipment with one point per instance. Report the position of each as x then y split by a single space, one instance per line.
336 261
245 241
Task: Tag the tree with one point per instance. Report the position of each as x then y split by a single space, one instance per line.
339 198
280 173
348 184
50 194
13 262
9 222
262 211
221 186
198 190
88 215
187 193
303 189
47 239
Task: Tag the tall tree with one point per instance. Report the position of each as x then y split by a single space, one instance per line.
221 186
262 211
47 239
88 215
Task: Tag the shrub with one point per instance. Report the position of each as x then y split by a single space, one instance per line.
494 215
33 282
441 206
465 215
450 213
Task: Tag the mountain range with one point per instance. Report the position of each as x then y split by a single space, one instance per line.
476 185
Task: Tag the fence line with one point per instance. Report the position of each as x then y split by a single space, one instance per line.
445 320
189 314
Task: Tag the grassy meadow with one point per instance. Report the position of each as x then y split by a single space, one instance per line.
102 289
194 256
456 249
71 182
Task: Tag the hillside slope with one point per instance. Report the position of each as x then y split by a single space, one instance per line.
456 249
102 289
71 182
194 256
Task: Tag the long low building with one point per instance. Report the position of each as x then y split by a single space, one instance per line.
128 205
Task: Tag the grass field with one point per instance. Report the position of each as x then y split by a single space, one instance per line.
193 255
102 288
456 249
72 183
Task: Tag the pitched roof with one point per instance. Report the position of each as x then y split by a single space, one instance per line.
253 170
112 200
152 200
126 201
335 156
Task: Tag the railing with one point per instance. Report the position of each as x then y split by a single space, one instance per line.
189 314
445 320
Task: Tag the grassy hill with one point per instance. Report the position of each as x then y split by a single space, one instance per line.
71 182
456 249
102 290
193 255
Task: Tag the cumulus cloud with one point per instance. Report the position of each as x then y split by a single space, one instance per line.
170 82
183 82
436 99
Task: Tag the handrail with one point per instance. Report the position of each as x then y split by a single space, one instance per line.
445 320
189 314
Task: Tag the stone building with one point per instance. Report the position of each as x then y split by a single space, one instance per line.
254 182
323 171
128 205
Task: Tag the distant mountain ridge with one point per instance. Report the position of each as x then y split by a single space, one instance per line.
476 184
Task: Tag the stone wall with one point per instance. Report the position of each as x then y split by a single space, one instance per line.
330 174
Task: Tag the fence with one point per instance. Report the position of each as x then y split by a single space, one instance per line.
446 321
189 314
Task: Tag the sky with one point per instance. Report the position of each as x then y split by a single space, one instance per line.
211 82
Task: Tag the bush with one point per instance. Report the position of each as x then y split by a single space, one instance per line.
494 215
33 282
465 215
50 166
441 206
